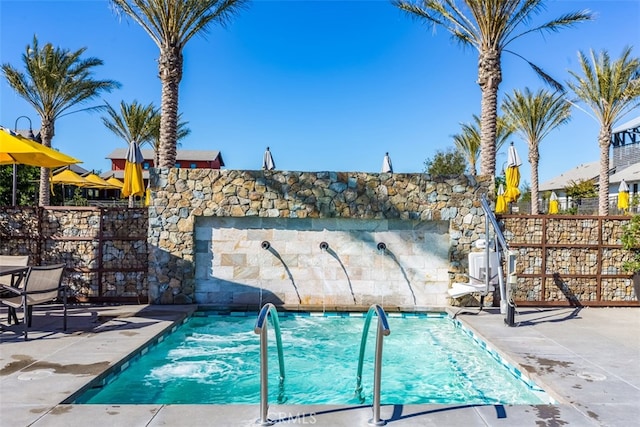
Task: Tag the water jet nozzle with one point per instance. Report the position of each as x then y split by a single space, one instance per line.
381 247
265 245
324 246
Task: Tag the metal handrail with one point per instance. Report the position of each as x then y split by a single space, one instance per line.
261 329
383 330
506 290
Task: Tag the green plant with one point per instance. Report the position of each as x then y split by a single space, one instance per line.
631 241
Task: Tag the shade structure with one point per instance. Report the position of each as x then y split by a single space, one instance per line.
623 196
267 161
115 182
387 167
512 175
68 177
133 182
15 149
554 205
94 181
501 204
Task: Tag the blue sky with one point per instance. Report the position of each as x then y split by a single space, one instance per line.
327 85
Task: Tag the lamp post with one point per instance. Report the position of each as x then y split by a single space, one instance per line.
32 137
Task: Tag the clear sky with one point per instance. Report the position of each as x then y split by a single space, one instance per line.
327 85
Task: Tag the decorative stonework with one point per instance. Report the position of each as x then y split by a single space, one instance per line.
180 196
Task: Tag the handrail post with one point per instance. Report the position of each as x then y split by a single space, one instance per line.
261 329
383 330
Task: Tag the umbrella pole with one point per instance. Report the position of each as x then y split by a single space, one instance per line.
15 184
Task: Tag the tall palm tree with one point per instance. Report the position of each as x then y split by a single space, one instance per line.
171 24
154 142
133 123
489 26
534 115
611 90
468 141
55 81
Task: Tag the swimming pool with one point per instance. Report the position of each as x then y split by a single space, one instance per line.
214 359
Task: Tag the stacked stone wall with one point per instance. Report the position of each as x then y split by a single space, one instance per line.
571 258
104 249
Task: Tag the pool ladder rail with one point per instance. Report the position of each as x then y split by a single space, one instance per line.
268 310
383 331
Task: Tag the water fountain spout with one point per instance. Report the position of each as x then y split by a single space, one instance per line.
382 247
324 246
265 245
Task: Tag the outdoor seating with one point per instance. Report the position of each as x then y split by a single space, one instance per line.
42 284
12 260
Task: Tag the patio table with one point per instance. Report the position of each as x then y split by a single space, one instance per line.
17 273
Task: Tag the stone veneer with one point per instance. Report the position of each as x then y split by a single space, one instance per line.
206 229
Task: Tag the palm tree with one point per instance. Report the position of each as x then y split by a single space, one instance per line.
533 116
468 142
611 90
171 24
55 81
134 123
154 142
489 26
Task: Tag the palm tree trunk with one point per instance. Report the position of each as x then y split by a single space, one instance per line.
604 140
46 135
534 159
489 78
170 67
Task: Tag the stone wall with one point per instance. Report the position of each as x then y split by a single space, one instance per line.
570 258
429 226
104 249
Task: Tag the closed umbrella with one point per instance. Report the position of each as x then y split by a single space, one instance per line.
512 175
267 161
623 196
133 182
387 167
553 203
501 204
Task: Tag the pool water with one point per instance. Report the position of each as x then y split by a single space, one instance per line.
214 359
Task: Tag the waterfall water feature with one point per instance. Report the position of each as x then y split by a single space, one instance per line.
379 287
324 247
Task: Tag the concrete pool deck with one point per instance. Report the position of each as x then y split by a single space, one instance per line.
588 359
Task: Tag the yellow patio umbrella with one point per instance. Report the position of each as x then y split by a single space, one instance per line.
15 149
133 182
68 177
94 181
623 196
115 182
501 204
553 203
512 175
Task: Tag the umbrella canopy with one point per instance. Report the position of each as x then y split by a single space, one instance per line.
133 182
115 182
69 177
501 204
512 175
94 181
267 161
623 196
386 164
15 149
554 207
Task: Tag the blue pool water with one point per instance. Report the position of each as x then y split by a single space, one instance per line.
214 359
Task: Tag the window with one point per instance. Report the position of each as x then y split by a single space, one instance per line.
145 165
193 166
177 165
